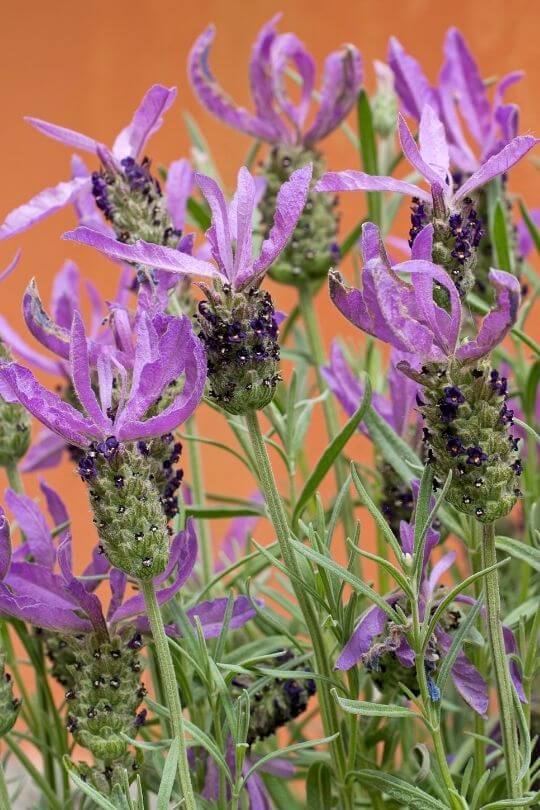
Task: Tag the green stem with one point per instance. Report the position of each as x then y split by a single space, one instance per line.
14 478
4 795
500 665
330 412
197 487
279 520
168 676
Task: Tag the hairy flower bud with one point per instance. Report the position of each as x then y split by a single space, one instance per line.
277 702
9 706
313 247
128 508
14 425
466 430
132 200
486 254
239 331
102 703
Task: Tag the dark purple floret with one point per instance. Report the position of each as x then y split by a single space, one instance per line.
476 456
453 395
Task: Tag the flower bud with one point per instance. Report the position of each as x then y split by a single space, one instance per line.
9 706
102 703
239 331
313 247
128 508
466 430
276 703
384 104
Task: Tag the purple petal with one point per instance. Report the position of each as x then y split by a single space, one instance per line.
40 610
147 119
510 647
177 190
42 327
422 247
369 627
432 132
33 525
342 382
11 266
5 545
497 164
65 294
258 798
97 568
499 321
214 98
45 452
235 540
290 203
433 144
144 253
288 47
118 583
19 384
241 213
359 181
526 243
372 244
262 86
69 137
219 235
405 654
81 376
55 505
87 601
469 86
410 82
44 204
342 78
460 151
440 567
468 681
26 352
211 614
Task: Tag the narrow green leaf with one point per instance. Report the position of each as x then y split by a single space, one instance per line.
520 550
403 792
319 786
368 153
287 750
207 743
363 707
199 213
331 453
168 776
525 801
500 238
351 239
395 451
213 512
531 389
202 156
376 513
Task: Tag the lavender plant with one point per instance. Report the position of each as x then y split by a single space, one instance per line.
183 665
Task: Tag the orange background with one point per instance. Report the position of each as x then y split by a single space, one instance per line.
87 65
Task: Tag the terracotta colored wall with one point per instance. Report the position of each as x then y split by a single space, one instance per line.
87 65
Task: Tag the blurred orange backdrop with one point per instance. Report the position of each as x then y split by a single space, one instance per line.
87 65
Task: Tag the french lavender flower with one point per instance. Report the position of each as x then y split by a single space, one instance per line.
95 655
466 419
237 322
9 705
383 649
139 401
457 227
14 421
280 121
124 190
395 497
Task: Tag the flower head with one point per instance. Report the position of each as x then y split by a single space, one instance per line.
277 118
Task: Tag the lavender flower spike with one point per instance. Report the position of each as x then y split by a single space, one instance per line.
128 145
277 118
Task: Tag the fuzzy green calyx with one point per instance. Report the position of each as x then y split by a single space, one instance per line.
128 510
384 111
467 431
14 424
277 702
9 705
102 703
60 654
486 258
313 246
239 331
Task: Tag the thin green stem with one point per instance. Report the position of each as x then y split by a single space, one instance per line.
316 346
198 490
14 478
500 665
279 520
4 795
170 687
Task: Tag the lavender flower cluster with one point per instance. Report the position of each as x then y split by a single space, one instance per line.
281 675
